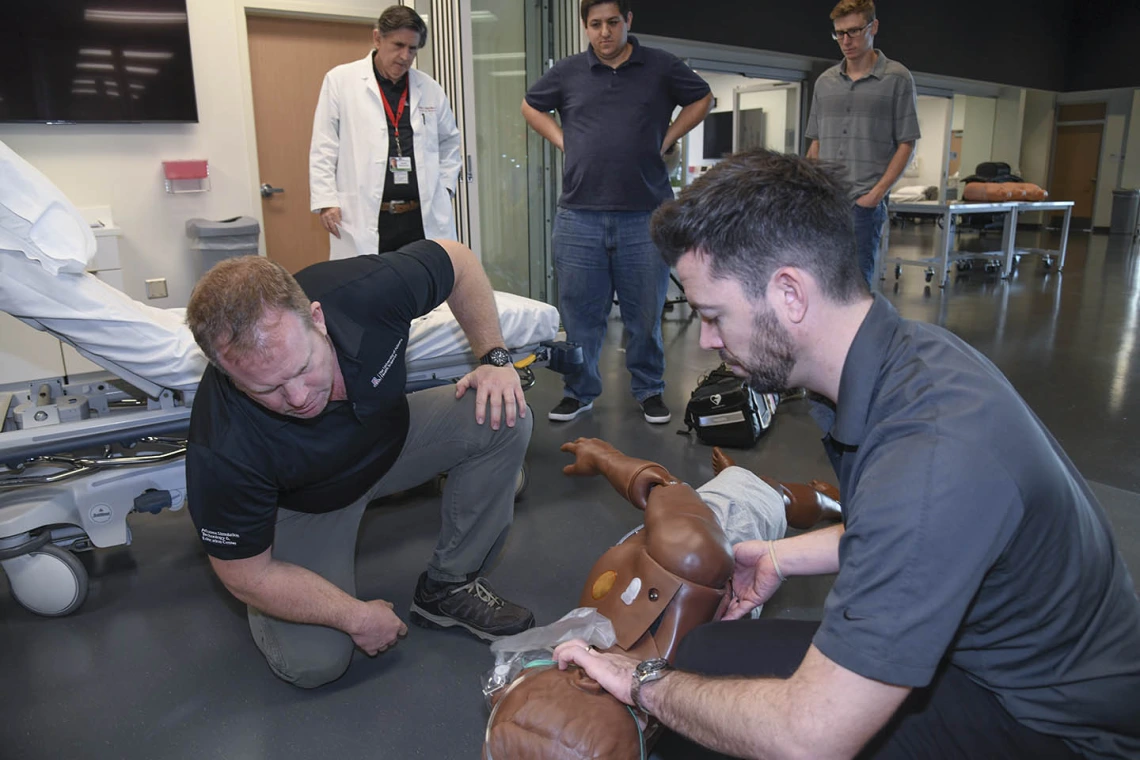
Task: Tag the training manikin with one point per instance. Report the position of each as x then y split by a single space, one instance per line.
658 584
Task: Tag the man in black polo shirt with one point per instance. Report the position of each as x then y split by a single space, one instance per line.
981 608
301 419
615 101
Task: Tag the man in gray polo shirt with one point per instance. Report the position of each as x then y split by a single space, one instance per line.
981 608
615 101
864 115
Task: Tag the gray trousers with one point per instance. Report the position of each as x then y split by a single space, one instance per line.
478 505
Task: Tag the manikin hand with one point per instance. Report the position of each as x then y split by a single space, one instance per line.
377 628
588 456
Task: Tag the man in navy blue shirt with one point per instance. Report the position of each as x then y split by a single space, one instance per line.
615 102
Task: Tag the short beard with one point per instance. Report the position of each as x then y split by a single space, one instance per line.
772 348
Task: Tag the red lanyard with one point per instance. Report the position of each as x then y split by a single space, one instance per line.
395 117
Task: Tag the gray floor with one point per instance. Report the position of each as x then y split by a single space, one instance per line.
159 663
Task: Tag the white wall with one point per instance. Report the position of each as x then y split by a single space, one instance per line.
121 165
1130 177
1009 114
930 152
959 121
1037 136
977 132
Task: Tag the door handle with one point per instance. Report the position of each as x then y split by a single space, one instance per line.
268 190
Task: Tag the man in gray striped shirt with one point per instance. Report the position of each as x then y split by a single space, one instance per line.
864 115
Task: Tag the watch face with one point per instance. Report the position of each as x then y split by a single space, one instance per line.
497 357
650 670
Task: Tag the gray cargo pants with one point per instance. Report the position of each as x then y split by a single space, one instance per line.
478 505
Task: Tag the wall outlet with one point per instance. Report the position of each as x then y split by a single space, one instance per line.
156 288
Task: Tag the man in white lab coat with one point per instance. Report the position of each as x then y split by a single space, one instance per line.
379 188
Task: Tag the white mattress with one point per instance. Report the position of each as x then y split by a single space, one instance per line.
155 344
524 322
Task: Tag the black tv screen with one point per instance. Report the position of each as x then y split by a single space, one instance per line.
95 61
718 135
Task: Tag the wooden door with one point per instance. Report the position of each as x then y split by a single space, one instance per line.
288 60
1076 158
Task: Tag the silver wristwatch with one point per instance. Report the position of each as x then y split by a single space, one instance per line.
647 671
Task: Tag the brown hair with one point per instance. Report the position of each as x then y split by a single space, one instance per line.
847 7
229 303
396 17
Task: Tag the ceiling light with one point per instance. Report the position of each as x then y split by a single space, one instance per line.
137 86
134 17
94 66
101 52
83 91
499 56
83 81
148 70
148 55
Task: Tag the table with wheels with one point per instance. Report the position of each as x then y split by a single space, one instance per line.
1048 257
949 213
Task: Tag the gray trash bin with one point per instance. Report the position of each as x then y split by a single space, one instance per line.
1125 213
213 241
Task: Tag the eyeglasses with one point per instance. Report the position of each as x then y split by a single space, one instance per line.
839 34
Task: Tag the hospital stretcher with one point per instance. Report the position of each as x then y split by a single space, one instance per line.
78 454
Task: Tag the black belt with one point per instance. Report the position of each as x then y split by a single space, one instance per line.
399 207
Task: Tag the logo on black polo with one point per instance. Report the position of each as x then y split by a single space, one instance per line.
379 376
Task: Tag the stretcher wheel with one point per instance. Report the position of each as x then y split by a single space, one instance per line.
1047 262
929 275
49 581
898 271
990 268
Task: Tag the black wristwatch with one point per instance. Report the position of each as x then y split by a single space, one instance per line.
647 671
497 357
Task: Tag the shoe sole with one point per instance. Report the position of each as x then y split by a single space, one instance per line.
425 619
657 420
555 417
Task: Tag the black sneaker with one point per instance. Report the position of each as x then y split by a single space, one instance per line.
567 409
655 410
473 605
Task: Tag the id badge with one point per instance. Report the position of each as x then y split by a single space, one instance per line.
404 163
400 178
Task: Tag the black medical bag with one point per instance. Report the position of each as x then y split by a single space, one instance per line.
724 411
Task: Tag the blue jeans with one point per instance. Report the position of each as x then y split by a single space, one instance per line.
595 254
868 233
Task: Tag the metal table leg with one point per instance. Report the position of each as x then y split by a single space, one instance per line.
947 245
1065 237
1009 240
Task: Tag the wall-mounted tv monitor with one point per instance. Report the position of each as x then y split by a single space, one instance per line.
718 135
75 61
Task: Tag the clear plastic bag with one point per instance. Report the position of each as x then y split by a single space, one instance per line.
534 647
